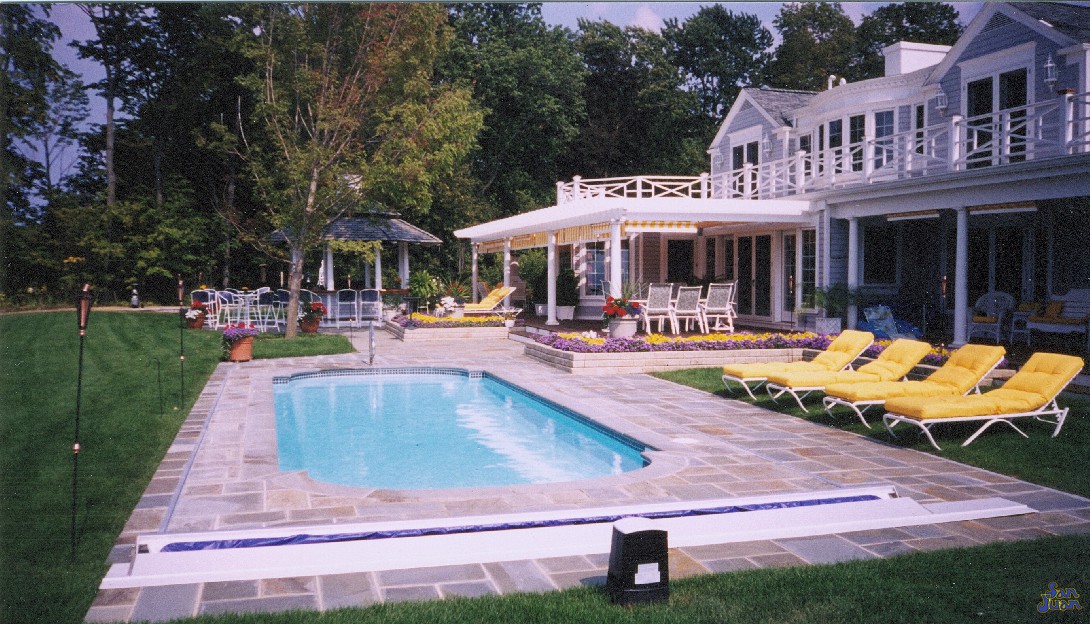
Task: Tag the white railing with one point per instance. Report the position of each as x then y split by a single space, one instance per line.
635 187
1049 129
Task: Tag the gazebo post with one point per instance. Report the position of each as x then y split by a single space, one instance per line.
378 269
474 279
367 283
507 269
403 263
329 266
551 268
615 269
853 268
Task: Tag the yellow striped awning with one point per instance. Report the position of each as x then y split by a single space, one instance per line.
673 227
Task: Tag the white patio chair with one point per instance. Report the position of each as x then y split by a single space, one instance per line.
208 298
687 308
720 306
229 308
346 306
269 311
658 306
989 314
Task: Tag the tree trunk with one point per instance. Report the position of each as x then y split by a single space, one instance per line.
295 284
111 175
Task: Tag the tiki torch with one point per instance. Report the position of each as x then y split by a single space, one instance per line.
181 341
83 312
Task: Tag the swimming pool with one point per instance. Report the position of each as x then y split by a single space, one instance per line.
436 428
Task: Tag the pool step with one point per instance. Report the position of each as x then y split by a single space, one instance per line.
236 555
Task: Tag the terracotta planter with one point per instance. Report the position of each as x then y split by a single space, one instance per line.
196 323
309 326
242 350
623 327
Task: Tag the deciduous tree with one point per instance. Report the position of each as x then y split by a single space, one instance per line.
817 41
920 22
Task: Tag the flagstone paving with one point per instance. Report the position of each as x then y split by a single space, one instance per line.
224 463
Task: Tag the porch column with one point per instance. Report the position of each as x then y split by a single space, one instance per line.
961 278
853 267
550 262
403 263
378 268
507 269
473 273
329 266
367 283
615 268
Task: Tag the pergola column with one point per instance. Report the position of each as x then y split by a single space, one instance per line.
403 263
853 267
473 272
961 278
550 262
378 268
615 268
507 270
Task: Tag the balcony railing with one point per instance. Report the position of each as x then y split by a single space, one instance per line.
1049 129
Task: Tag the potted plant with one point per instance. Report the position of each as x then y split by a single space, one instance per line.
567 295
311 317
835 300
424 288
238 342
534 271
196 314
622 315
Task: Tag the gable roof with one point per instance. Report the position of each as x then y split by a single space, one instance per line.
376 227
1070 19
776 105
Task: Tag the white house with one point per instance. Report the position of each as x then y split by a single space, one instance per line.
964 169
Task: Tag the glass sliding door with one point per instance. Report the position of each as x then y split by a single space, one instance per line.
755 275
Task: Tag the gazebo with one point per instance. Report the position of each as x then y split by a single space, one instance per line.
377 226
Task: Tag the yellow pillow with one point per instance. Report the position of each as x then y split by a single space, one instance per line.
1054 309
1028 306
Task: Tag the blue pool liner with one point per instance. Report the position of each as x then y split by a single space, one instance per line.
304 538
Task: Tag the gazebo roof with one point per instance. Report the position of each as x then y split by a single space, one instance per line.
379 226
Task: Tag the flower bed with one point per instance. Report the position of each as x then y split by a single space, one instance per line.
579 353
447 328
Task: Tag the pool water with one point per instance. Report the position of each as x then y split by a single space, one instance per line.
425 430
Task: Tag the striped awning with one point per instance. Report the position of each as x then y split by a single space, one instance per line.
672 227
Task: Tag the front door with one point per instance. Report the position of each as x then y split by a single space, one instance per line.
755 275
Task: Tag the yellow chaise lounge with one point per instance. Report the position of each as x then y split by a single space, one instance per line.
490 303
1030 393
843 350
893 363
962 373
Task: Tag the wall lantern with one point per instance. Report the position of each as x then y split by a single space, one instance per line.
941 103
766 145
1050 72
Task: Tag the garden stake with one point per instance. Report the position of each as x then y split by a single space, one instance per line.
83 312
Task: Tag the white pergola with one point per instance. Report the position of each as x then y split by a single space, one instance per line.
589 218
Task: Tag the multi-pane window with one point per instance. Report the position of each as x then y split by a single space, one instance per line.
709 258
595 269
919 124
808 261
741 155
805 146
857 131
883 145
728 258
790 263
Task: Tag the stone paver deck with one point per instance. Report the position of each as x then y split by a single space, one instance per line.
223 465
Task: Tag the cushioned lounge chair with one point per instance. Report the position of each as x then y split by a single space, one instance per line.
895 362
491 303
848 346
1030 393
961 374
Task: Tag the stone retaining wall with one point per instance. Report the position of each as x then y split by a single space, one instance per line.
651 361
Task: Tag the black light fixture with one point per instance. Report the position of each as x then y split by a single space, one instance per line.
639 564
181 342
83 315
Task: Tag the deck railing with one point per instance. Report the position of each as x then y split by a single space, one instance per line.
1049 129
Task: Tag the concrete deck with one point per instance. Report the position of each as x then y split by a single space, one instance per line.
221 473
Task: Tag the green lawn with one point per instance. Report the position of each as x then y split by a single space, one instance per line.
1056 462
124 436
130 414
